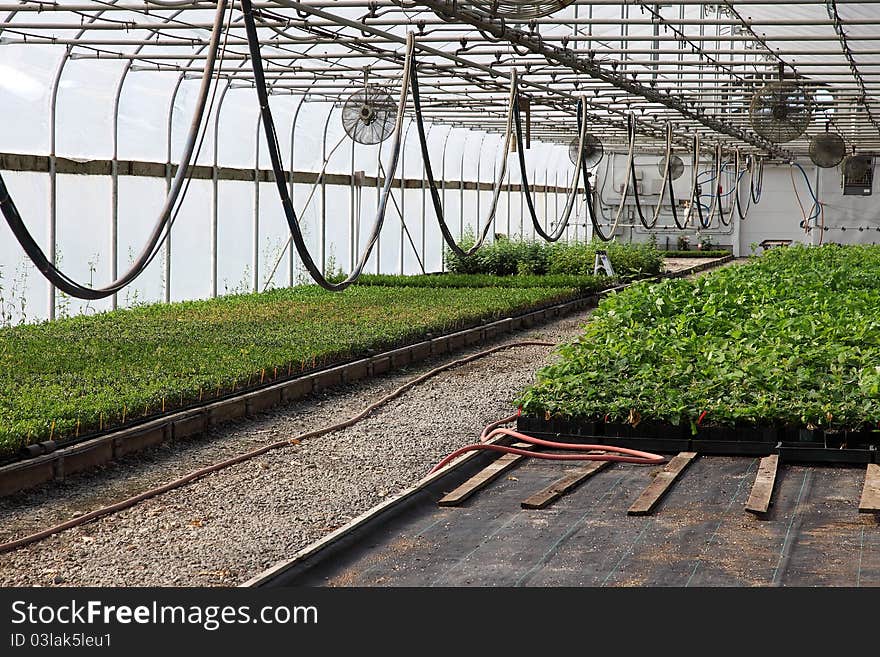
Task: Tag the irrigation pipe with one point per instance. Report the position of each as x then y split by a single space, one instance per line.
635 184
16 544
561 224
413 79
278 171
750 167
629 163
716 194
695 194
756 193
303 210
48 268
666 181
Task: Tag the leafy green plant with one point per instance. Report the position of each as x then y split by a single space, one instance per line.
791 338
506 257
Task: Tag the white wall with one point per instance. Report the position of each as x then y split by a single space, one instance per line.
776 216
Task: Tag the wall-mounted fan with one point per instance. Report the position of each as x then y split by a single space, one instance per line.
676 167
369 114
780 111
516 10
593 150
827 150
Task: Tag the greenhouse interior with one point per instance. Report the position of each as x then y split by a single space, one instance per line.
381 293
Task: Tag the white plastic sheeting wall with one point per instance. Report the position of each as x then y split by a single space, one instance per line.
252 234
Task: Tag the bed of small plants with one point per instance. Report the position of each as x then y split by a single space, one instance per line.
585 284
77 375
506 257
790 339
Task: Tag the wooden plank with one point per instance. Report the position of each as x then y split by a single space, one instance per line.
762 490
661 484
560 487
870 502
484 477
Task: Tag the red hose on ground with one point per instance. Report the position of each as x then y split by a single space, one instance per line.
612 453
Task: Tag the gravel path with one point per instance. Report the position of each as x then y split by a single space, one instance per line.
228 527
677 264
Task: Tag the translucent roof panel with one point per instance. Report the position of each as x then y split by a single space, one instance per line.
692 62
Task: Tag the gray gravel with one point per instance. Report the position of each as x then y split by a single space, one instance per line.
226 528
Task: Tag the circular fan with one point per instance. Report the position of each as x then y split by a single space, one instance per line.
593 150
517 10
676 167
856 166
827 150
780 111
368 115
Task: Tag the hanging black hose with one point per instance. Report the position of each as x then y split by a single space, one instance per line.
67 284
667 182
635 186
432 183
666 177
631 130
673 203
718 188
704 221
756 196
591 209
695 187
624 191
750 163
278 171
527 191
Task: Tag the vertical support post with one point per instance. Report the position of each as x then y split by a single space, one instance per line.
546 174
508 200
402 179
461 184
556 196
215 195
479 162
378 197
255 253
324 197
352 229
291 263
169 174
443 193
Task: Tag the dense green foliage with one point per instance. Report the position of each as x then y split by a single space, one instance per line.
791 338
588 283
76 375
506 257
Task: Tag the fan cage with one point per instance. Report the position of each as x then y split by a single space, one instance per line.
368 115
676 167
781 111
827 150
517 10
593 150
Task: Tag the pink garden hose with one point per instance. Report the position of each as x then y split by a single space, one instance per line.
494 429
